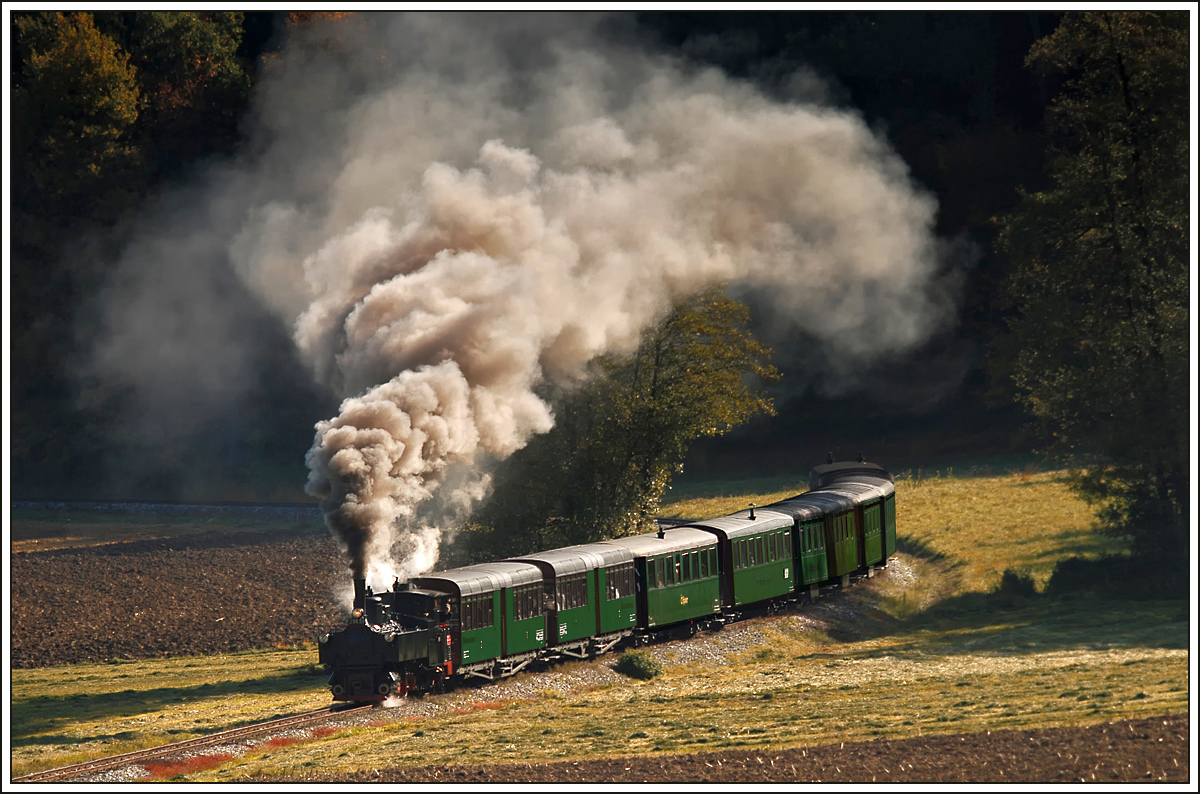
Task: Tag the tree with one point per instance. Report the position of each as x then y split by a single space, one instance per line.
76 99
195 84
603 469
1098 348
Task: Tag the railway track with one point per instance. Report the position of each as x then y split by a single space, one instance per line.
223 737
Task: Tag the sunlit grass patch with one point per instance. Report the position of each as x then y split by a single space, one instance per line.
62 715
984 525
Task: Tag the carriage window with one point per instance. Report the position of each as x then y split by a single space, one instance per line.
572 591
620 580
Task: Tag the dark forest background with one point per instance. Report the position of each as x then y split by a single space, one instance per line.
111 109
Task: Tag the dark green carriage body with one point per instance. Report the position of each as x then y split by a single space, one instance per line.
756 555
872 490
838 525
874 499
678 575
589 591
497 610
808 540
866 519
474 615
871 532
889 525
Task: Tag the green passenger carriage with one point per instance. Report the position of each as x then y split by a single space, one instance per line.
590 597
756 555
496 615
812 562
678 576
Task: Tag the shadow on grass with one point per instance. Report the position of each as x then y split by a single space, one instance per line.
46 714
1017 620
916 548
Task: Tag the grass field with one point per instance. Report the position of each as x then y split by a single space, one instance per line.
934 650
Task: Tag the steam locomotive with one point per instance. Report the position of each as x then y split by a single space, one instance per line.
491 620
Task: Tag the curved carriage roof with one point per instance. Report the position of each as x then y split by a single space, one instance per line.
672 540
739 525
829 473
864 490
823 501
482 578
577 559
798 509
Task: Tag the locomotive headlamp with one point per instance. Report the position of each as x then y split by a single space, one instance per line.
389 637
358 613
324 638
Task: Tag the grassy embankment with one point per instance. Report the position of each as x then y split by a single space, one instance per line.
932 651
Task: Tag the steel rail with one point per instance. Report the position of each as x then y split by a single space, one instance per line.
221 737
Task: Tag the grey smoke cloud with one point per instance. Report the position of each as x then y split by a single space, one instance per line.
451 210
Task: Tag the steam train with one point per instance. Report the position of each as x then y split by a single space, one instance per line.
491 620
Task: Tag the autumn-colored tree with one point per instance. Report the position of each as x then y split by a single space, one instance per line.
618 440
195 85
1098 347
75 100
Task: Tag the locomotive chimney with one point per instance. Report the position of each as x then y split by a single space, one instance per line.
360 593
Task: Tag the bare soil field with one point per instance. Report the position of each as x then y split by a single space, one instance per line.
1118 752
218 591
192 594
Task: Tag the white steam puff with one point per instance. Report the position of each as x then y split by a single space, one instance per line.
488 222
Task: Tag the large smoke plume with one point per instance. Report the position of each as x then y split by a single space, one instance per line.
454 210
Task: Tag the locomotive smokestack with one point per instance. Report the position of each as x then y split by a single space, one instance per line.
360 593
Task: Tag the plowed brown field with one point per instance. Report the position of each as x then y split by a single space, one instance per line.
1125 751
